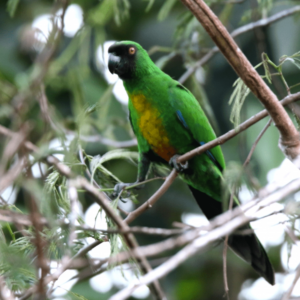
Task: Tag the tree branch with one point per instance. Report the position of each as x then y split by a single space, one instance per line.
197 151
101 199
153 199
220 226
232 133
256 142
289 141
237 32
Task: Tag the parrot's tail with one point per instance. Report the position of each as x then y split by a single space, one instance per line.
247 246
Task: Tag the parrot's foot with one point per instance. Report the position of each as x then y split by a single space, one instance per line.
119 187
178 166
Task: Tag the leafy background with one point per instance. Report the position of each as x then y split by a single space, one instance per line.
83 102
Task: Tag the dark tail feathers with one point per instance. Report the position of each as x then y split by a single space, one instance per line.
247 247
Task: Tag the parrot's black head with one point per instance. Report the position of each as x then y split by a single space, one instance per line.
128 60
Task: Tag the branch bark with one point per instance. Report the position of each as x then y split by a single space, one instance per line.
289 141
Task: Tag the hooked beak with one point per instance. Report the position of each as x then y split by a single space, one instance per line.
113 63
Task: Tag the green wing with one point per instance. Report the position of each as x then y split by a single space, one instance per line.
193 119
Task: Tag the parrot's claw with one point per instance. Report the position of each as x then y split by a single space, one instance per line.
178 166
119 187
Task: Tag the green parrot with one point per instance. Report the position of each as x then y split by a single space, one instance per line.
168 121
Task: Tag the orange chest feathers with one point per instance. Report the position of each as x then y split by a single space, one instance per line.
151 127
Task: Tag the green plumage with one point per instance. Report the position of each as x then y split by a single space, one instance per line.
167 120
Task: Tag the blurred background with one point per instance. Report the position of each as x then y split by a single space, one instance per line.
88 113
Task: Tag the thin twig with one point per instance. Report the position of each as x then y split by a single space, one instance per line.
288 294
137 229
232 133
14 217
256 142
226 288
12 174
237 32
225 279
153 199
190 235
108 142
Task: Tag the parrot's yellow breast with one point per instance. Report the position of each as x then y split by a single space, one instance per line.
151 127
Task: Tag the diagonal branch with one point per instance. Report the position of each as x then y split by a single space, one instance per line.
197 151
232 133
153 199
289 140
221 226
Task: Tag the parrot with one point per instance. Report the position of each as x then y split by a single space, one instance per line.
168 121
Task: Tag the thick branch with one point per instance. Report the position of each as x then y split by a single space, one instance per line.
290 142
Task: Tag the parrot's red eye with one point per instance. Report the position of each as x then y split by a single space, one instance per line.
131 50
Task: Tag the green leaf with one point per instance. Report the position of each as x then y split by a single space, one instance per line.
121 10
12 7
150 4
294 61
102 13
16 264
165 9
104 177
293 58
238 97
265 60
66 56
120 154
97 161
232 179
103 106
96 164
10 232
2 236
76 296
265 5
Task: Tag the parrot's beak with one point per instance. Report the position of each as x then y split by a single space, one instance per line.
113 63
